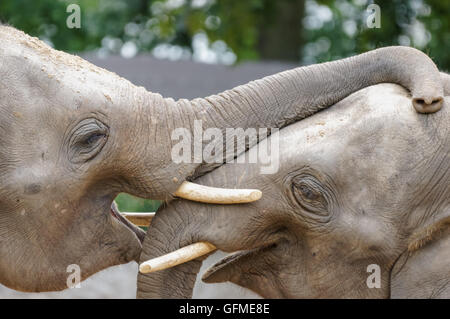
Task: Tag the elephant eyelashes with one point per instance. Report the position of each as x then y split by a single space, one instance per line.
309 194
87 140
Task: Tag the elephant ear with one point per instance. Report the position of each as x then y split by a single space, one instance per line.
424 270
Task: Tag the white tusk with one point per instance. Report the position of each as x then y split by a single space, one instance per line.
214 195
139 219
177 257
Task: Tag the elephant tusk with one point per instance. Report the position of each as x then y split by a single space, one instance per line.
177 257
139 219
214 195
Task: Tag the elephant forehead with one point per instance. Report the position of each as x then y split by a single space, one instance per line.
31 48
374 123
27 61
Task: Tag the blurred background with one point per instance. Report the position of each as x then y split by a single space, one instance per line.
191 48
233 31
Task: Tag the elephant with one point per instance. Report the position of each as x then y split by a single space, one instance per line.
73 136
362 190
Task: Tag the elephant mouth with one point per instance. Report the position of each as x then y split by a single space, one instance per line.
199 249
215 272
127 220
204 194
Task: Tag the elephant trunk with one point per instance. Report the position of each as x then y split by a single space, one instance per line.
182 223
189 230
176 282
272 102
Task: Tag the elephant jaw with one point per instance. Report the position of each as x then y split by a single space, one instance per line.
227 267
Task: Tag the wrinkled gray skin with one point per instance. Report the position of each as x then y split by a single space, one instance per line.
364 182
72 136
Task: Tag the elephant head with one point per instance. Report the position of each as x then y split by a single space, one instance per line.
362 189
72 136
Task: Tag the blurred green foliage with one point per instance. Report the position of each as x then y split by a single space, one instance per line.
128 203
307 31
303 31
423 24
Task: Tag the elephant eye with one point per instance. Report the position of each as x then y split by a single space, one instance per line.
87 140
92 139
309 194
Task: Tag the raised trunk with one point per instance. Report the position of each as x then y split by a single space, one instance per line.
274 102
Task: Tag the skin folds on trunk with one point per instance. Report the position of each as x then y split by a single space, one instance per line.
280 99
